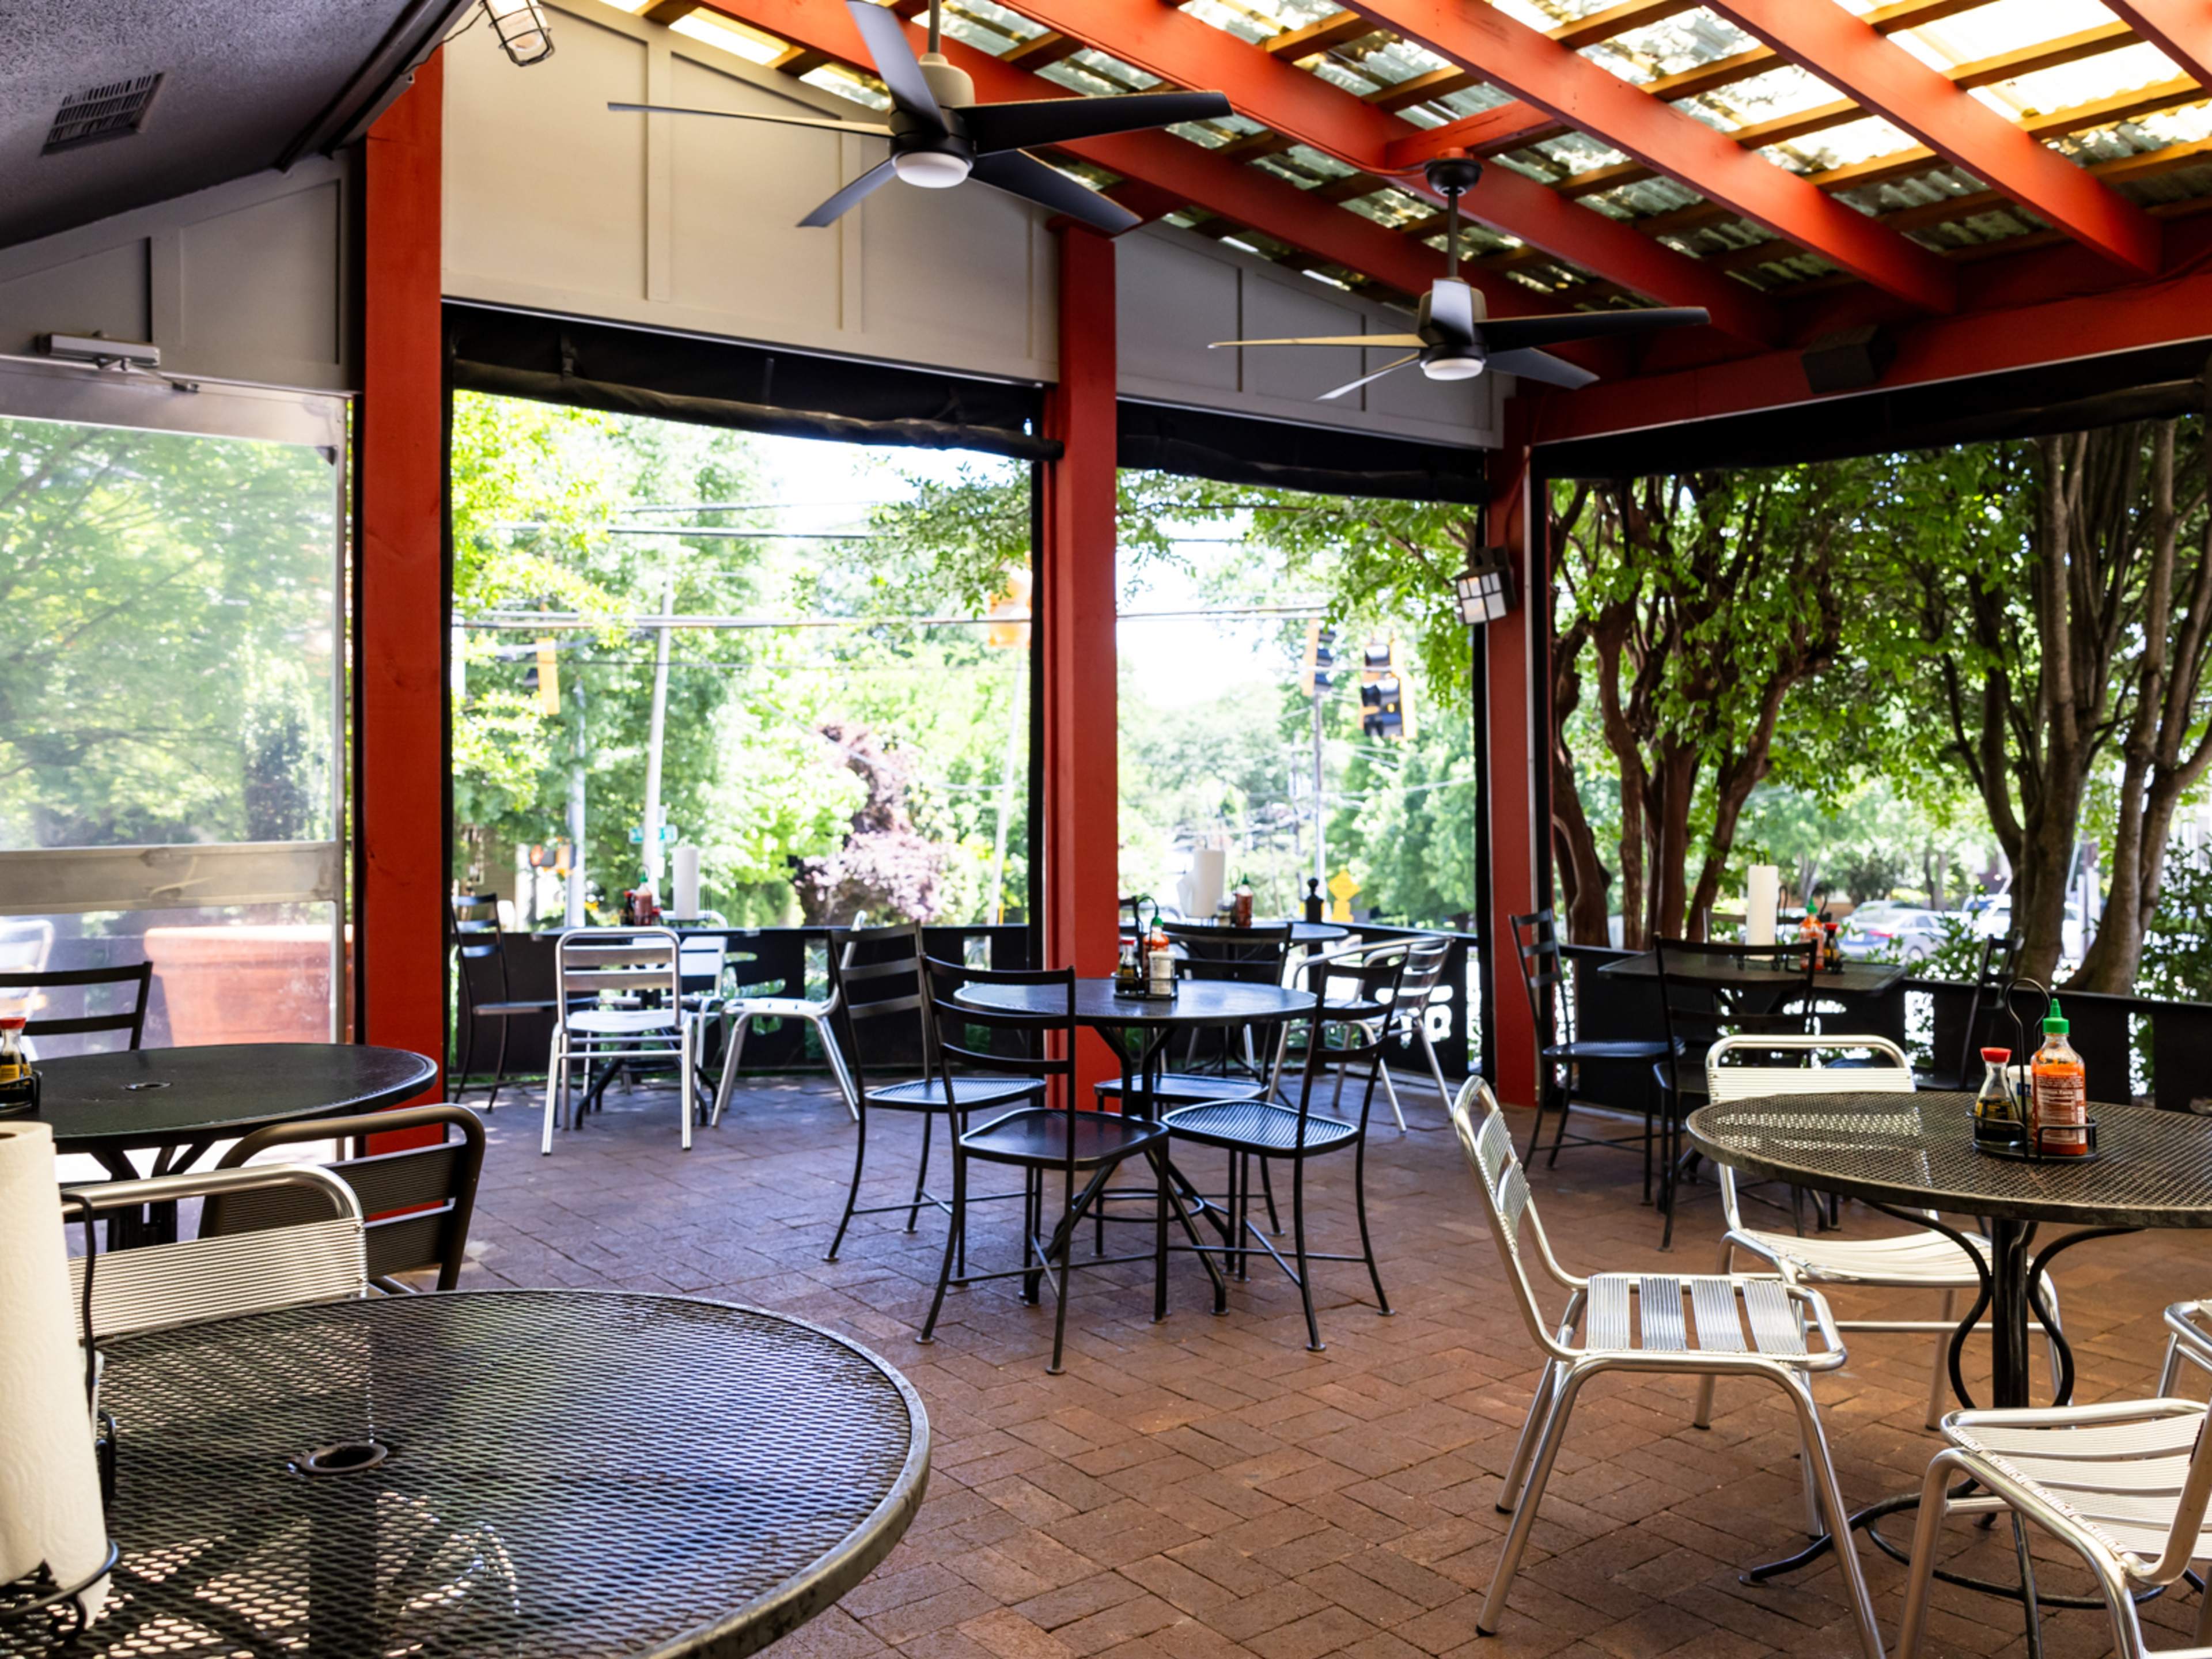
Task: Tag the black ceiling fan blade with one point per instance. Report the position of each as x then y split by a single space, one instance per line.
1354 386
1533 365
1512 333
851 197
1033 181
992 127
870 127
884 36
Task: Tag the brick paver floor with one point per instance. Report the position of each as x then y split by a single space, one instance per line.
1206 1486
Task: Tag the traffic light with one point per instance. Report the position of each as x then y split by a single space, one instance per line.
545 678
1317 673
1386 698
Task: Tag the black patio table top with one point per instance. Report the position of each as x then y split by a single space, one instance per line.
1691 967
563 1472
110 1103
1196 1002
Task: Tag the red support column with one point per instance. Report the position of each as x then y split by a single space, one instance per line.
1078 891
1515 700
400 593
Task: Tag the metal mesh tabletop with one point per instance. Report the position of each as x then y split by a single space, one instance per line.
1197 1002
569 1473
2154 1168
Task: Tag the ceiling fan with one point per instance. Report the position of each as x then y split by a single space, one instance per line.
940 136
1452 338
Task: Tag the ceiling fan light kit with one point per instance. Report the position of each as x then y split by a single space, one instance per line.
940 136
1454 339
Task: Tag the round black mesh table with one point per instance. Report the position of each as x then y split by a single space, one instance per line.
1198 1002
1916 1151
567 1473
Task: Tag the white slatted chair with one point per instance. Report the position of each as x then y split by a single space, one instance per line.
1636 1322
1921 1260
192 1280
636 972
2123 1484
743 1010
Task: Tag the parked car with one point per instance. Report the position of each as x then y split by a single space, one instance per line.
1898 933
1993 920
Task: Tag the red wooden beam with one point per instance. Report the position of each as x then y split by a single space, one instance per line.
399 618
1888 81
1588 98
2182 29
1079 887
1179 48
1516 708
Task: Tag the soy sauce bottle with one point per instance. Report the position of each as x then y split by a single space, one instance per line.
18 1084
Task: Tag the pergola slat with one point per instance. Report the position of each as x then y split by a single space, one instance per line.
1592 100
1830 42
2182 29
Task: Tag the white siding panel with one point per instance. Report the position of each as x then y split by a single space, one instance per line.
1173 305
1276 311
264 280
106 292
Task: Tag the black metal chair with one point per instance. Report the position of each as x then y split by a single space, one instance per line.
1543 977
476 939
130 1020
1040 1138
1250 956
876 975
1698 1012
418 1201
1359 1020
2000 960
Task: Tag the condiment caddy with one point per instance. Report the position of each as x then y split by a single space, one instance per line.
1146 971
2037 1111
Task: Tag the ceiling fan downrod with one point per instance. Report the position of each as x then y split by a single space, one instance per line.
1454 174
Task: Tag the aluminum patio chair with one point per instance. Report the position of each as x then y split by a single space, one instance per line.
742 1010
1636 1322
1921 1261
320 1258
2123 1484
641 968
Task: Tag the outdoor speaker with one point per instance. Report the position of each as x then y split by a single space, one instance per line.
1849 360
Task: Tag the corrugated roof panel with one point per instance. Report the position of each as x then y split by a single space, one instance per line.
1855 141
1668 47
2105 75
1096 75
1642 198
988 28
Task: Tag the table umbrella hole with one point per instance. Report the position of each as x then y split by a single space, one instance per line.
343 1457
137 1088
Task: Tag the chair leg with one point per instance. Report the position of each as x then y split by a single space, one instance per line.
836 1057
1939 1365
1532 1499
1559 1133
733 1057
2050 1342
1839 1513
1159 1236
684 1081
1314 1344
1268 1192
1366 1244
1390 1089
1926 1531
921 1171
1435 1066
554 1063
461 1083
1539 1404
852 1196
1544 1085
952 1233
498 1070
1065 1233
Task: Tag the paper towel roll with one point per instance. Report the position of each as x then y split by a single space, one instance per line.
49 1484
1209 875
686 882
1762 898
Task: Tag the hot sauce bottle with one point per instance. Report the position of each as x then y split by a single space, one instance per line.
2058 1093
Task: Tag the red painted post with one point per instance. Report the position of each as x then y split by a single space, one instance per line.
1516 702
1078 895
399 617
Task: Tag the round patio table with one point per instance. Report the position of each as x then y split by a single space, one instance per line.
1906 1155
177 1102
550 1473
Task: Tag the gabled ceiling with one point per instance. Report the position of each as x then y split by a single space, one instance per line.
245 85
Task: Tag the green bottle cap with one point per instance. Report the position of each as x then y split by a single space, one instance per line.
2054 1023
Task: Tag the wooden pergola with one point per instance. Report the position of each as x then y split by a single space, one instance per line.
1865 198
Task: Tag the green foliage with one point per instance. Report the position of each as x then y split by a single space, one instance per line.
167 622
2177 958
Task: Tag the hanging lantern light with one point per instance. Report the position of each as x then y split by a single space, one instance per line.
522 30
1486 586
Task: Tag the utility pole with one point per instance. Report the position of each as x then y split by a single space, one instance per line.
656 733
575 916
1317 678
1320 853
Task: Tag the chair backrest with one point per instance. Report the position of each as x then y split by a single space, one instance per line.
631 962
1352 1023
1251 955
2000 958
1725 1082
1487 1139
157 1285
128 1018
876 977
419 1200
1417 986
699 960
1698 1012
1045 1048
1543 972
